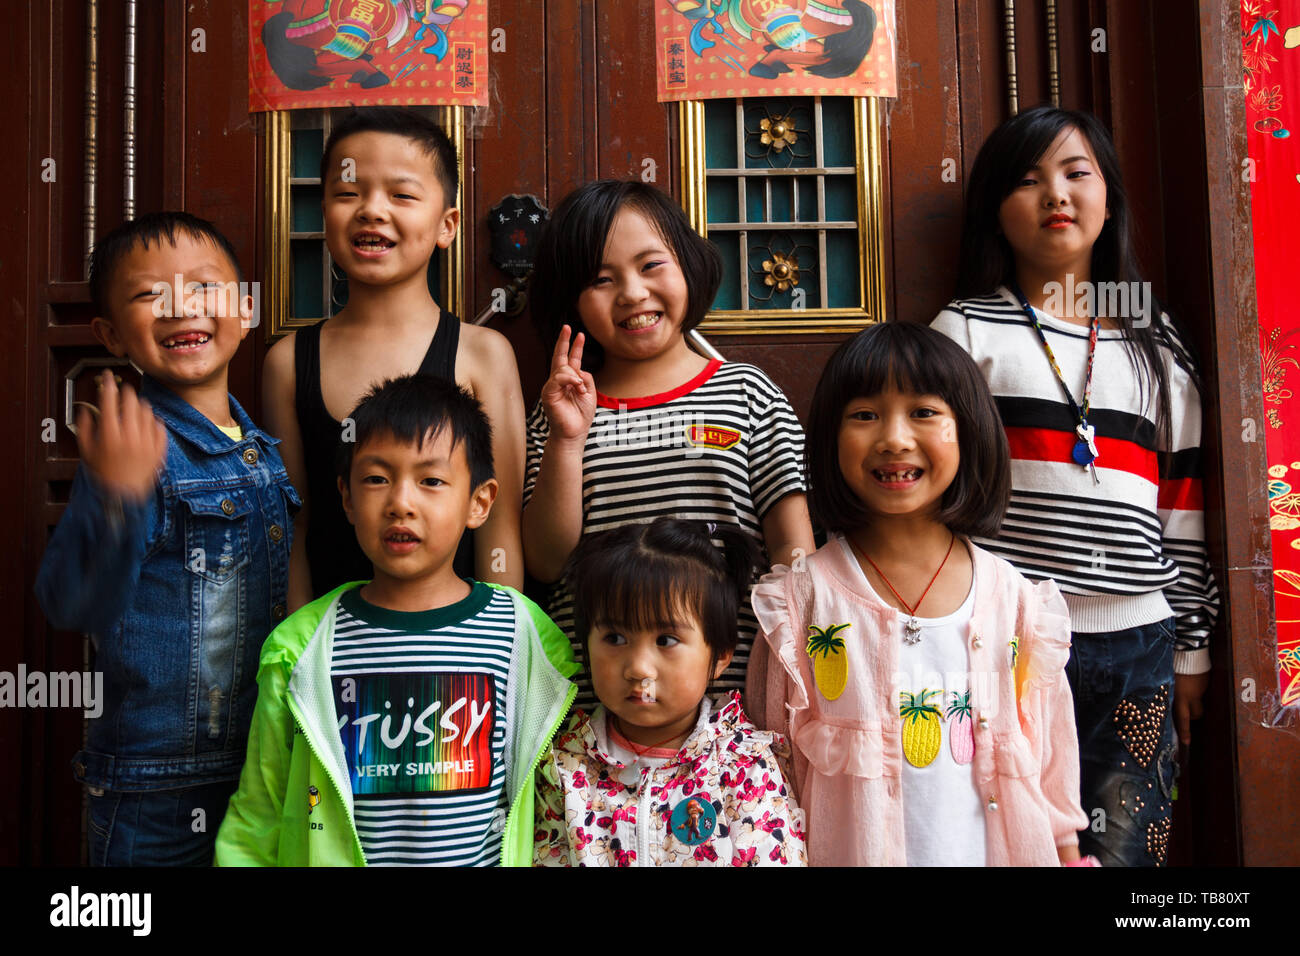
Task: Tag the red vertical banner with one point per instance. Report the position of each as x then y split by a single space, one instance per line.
1270 36
318 53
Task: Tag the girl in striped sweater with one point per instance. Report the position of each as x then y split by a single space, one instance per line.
1101 404
633 423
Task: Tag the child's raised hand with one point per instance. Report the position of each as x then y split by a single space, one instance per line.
569 395
126 446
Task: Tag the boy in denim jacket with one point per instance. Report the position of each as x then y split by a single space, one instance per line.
173 551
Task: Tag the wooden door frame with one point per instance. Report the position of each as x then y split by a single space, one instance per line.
1266 757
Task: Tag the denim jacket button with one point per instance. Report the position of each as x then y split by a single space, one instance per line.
277 612
275 532
250 456
227 506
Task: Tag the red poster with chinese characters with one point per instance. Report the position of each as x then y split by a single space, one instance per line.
708 49
1270 35
306 54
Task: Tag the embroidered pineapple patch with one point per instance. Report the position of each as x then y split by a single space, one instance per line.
961 733
922 726
830 659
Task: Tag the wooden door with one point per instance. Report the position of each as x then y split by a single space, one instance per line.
572 98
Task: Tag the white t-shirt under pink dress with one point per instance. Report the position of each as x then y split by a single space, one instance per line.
943 815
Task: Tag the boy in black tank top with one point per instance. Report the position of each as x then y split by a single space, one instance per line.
390 184
333 555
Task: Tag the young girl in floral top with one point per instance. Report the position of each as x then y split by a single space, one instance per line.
660 774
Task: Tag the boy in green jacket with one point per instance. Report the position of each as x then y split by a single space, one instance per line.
399 721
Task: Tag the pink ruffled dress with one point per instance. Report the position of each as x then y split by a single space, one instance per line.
848 752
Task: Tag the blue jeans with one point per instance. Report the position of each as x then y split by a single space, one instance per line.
1123 685
157 828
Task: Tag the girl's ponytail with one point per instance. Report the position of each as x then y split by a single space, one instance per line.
740 555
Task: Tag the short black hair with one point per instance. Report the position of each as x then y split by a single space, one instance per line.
417 409
910 358
152 227
408 124
647 576
572 247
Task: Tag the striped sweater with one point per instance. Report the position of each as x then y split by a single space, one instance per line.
1130 550
724 447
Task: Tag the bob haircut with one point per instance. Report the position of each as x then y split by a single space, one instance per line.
408 124
987 260
417 409
572 247
910 358
652 576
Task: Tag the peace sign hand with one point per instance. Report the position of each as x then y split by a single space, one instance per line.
569 395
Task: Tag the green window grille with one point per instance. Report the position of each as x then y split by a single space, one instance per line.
782 202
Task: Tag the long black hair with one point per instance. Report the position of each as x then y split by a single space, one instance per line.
987 260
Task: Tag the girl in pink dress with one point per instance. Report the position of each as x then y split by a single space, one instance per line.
920 679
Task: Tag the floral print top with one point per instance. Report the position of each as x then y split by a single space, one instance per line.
723 800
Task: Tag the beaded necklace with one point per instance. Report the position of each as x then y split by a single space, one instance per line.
1085 449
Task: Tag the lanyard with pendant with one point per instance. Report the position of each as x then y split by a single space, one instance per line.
1085 449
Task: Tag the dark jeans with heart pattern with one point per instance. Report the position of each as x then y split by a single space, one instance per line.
1123 685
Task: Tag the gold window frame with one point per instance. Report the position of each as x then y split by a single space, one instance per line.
868 137
277 285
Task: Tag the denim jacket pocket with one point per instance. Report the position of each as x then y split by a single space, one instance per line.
293 501
216 532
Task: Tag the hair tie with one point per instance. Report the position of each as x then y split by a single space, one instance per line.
712 527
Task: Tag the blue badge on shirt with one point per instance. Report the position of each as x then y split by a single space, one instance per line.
694 820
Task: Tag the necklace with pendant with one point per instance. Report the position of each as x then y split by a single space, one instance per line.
912 627
1084 451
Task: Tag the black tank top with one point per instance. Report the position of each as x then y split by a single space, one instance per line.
332 550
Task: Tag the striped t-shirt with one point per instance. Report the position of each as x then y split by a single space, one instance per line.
421 702
724 447
1128 551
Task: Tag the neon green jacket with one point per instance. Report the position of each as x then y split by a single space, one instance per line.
294 802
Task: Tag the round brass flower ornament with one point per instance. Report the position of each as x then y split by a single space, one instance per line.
782 271
778 132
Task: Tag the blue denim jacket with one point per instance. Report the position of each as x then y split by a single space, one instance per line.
178 593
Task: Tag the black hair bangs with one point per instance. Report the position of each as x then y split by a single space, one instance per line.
661 576
571 249
408 124
416 410
644 592
914 358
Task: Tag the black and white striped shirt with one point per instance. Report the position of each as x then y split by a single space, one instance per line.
724 447
1130 550
421 701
